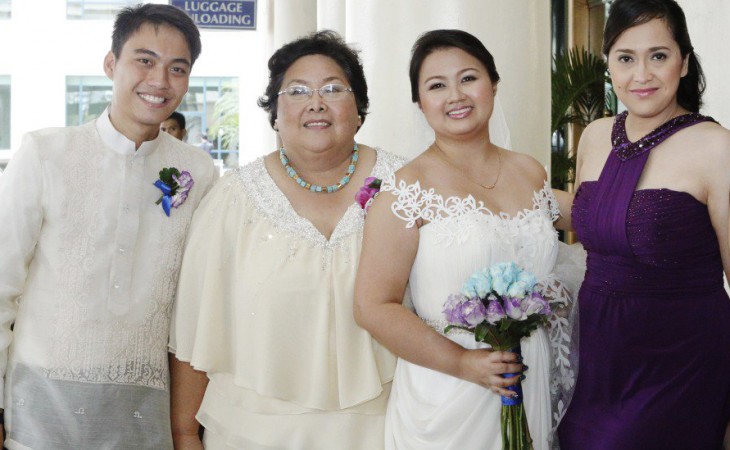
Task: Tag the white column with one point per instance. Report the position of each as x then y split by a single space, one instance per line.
331 15
292 19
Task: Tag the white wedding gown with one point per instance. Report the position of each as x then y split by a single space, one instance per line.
431 410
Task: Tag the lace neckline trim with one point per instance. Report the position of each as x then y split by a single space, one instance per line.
415 203
625 149
268 199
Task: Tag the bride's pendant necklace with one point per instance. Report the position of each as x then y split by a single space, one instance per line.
447 159
315 187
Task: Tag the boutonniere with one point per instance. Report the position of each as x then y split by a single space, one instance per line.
175 186
368 192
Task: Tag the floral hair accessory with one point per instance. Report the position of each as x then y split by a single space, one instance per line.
367 192
175 186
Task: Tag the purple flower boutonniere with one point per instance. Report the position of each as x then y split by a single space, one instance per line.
175 186
368 192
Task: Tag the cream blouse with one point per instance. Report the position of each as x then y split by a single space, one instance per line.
265 307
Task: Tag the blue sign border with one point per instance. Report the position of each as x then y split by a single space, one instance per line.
199 11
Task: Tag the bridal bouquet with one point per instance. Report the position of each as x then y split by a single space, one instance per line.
501 305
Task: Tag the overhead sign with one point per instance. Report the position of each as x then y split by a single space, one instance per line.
236 14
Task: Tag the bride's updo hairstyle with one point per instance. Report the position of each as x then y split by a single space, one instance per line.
434 40
625 14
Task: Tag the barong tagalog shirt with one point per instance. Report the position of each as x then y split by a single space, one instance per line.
88 271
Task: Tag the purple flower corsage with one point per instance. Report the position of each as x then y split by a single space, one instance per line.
175 186
368 192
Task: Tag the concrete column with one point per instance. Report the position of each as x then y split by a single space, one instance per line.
331 15
292 19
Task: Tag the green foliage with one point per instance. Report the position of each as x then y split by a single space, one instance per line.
226 121
578 88
166 176
579 97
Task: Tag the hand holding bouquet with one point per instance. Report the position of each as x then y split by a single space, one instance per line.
501 305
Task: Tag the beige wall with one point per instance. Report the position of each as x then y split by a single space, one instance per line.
707 21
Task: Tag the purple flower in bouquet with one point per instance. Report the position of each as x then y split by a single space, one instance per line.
464 312
513 308
365 195
535 303
452 310
474 312
495 312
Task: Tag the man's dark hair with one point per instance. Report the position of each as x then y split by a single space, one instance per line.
130 19
179 118
326 43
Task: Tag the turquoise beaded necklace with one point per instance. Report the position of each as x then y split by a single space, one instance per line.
315 187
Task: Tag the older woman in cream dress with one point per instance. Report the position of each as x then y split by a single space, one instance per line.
263 329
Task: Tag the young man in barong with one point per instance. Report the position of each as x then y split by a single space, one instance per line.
91 240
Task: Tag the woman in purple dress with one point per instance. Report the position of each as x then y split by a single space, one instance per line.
652 211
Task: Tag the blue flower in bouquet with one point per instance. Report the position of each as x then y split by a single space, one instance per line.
518 289
503 275
528 279
479 285
495 312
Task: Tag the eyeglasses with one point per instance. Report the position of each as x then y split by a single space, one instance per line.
327 92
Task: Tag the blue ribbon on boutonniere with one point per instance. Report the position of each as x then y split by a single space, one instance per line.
175 186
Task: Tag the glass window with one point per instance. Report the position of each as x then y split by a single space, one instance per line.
4 112
210 108
4 9
211 112
86 98
95 9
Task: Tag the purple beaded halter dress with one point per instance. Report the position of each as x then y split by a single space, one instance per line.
654 358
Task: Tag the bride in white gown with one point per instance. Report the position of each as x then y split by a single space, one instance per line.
462 205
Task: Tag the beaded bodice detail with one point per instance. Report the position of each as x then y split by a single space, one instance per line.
652 242
625 149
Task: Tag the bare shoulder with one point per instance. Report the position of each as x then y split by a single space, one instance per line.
523 167
597 132
710 143
418 169
714 135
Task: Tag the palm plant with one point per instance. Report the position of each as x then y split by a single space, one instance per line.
579 96
226 121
